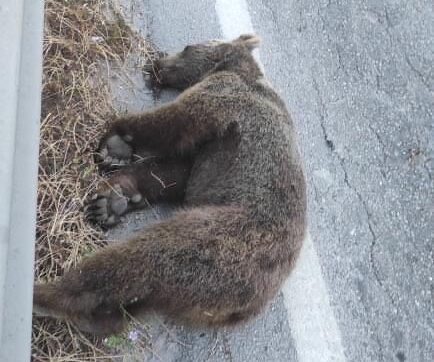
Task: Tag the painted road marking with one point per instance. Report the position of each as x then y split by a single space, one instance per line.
234 19
313 325
311 319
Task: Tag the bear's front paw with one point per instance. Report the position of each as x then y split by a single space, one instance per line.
115 151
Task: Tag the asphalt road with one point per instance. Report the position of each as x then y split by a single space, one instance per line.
358 78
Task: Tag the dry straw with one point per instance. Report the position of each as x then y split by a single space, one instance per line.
80 36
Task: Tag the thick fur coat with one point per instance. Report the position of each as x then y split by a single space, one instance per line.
226 149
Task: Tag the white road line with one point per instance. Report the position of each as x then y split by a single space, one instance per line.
311 319
234 19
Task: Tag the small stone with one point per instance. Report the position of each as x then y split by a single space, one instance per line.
133 335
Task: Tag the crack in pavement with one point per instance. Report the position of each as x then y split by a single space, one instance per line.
227 349
383 147
393 40
330 145
416 71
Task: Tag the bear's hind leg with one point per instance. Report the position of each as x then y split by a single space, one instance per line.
136 186
51 300
200 266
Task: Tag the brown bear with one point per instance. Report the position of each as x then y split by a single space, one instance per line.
226 149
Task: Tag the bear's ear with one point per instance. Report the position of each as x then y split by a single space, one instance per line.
251 41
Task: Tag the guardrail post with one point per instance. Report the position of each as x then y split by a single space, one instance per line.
21 26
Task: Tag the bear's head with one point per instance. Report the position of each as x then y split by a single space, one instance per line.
192 64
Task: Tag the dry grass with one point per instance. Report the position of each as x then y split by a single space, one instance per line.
79 36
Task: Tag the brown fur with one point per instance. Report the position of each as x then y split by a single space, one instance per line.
226 146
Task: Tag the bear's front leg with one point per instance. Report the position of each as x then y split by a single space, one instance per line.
156 132
174 129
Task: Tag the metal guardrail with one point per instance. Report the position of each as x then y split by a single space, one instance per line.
21 25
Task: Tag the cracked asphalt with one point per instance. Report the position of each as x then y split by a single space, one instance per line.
358 77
